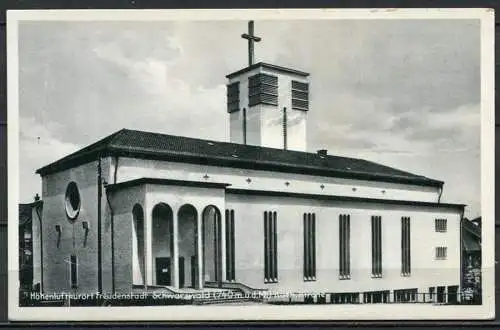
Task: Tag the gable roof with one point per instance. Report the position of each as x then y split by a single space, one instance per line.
471 228
148 145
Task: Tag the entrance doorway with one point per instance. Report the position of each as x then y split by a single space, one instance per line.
440 294
163 270
212 245
453 294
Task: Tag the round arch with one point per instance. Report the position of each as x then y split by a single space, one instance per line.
211 229
187 216
162 244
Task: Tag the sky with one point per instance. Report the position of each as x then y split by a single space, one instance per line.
404 93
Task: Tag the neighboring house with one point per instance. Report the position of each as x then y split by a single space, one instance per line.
471 260
25 246
30 251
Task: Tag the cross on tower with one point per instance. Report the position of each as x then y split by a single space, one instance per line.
251 39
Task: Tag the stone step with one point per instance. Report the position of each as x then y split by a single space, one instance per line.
224 301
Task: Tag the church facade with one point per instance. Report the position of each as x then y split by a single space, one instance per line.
138 211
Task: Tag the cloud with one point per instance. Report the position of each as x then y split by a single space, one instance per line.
37 148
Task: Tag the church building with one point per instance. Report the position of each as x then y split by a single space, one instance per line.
141 210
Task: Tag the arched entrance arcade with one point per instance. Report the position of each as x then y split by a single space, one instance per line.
179 247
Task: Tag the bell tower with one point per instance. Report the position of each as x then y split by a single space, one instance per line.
267 104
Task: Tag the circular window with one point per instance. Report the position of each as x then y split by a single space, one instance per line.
72 201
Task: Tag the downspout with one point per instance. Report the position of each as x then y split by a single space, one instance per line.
112 215
461 254
440 193
99 220
41 247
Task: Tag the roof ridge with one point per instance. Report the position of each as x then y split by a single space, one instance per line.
140 143
239 144
337 157
114 136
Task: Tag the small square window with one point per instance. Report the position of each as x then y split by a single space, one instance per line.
441 225
441 252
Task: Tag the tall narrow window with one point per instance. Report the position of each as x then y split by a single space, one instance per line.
309 247
73 272
344 246
376 246
270 247
244 126
405 247
284 129
441 225
230 260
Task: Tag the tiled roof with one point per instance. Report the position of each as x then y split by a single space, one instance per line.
470 242
148 145
471 228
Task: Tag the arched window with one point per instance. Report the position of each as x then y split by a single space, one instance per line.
138 253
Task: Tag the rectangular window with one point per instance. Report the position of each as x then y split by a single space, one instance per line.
270 247
376 297
230 260
376 246
309 247
233 97
345 298
262 88
73 272
300 95
441 225
405 247
441 253
432 293
405 296
344 246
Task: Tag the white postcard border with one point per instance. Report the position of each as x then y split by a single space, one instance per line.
309 312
